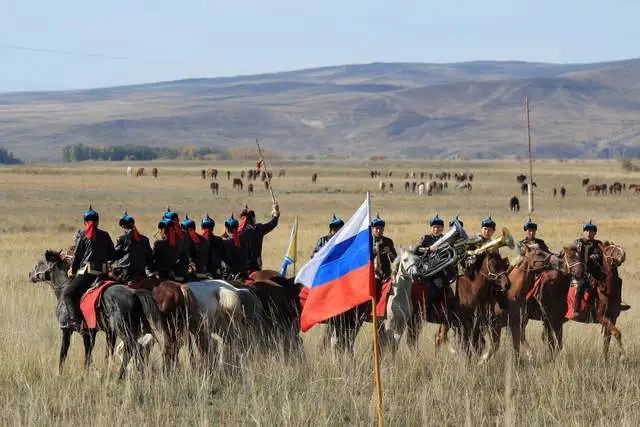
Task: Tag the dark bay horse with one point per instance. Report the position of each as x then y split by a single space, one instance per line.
120 314
280 298
548 303
552 298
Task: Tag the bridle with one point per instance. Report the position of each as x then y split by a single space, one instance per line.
616 249
533 268
490 275
569 265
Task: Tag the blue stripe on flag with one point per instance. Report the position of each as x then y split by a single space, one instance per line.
345 257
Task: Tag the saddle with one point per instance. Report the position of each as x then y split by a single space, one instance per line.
90 302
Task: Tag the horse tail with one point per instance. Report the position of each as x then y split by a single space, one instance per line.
150 311
231 305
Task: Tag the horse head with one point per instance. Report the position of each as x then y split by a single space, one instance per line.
613 253
571 262
495 268
404 266
534 259
53 269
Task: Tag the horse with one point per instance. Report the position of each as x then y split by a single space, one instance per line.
174 304
250 189
547 301
552 298
514 204
237 184
215 188
521 280
280 299
314 178
120 315
563 192
154 172
129 171
212 173
140 172
225 313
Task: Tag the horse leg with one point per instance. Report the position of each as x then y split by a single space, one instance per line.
64 347
494 344
606 342
611 329
125 361
89 339
515 326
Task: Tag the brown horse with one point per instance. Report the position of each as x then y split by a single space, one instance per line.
553 298
521 280
174 304
548 302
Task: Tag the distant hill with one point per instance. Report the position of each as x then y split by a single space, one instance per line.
402 110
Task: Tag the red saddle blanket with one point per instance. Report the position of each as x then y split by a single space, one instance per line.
435 311
585 304
89 303
538 283
137 284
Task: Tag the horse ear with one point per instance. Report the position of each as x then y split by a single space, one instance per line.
606 243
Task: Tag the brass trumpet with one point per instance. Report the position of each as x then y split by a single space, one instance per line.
505 240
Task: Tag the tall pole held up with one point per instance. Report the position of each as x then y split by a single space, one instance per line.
266 171
530 183
376 345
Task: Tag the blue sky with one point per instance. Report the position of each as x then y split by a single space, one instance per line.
122 42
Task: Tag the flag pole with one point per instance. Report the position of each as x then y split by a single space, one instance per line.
376 347
530 183
266 171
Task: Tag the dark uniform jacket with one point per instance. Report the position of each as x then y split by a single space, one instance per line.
132 256
234 257
184 248
198 253
94 254
165 259
539 242
253 236
214 256
321 242
590 253
384 246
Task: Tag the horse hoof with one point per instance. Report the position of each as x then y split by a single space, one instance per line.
452 349
146 340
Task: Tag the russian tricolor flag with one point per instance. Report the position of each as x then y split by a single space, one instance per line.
340 276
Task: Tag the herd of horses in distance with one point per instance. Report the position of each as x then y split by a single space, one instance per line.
436 183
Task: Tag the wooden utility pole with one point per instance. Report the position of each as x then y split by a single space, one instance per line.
530 183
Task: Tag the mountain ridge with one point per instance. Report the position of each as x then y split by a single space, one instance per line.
472 110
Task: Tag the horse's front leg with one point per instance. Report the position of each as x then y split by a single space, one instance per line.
414 326
611 329
64 347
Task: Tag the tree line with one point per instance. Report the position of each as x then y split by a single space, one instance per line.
80 152
7 158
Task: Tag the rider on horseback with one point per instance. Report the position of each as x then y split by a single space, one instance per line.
234 255
93 251
214 257
335 224
198 248
133 252
591 255
436 223
531 228
384 251
182 245
253 234
165 252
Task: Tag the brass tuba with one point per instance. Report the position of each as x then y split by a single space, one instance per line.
446 251
505 240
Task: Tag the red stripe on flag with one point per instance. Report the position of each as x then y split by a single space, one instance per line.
337 296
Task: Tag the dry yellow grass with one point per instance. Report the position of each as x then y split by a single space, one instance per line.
41 208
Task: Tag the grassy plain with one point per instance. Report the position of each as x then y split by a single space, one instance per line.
40 208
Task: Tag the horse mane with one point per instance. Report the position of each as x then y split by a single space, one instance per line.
53 256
